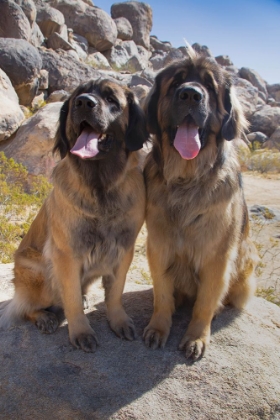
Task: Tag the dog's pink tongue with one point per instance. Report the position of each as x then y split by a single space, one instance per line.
86 145
187 140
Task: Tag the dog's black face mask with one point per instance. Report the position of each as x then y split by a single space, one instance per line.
99 118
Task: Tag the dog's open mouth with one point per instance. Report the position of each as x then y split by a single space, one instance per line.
187 140
90 143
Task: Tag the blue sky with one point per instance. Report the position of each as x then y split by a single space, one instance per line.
246 30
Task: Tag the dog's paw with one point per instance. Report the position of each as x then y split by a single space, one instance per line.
123 327
155 337
194 348
46 322
85 341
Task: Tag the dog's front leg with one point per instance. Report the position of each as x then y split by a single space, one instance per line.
211 290
67 271
113 284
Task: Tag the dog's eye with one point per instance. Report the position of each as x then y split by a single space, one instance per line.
175 84
111 100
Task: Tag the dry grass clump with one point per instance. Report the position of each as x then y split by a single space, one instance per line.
21 196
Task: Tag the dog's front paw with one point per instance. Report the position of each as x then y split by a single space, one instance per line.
85 341
123 326
156 336
194 347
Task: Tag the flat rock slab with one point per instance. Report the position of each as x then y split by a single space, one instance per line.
44 377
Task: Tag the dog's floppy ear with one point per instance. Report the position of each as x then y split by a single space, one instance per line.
61 142
151 106
234 122
136 133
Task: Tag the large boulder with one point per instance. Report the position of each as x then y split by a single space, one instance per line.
56 41
11 116
266 120
274 91
13 21
140 16
65 72
247 95
255 79
224 60
91 22
29 9
124 28
97 60
22 63
49 20
33 143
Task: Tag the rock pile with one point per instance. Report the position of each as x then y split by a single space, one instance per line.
49 46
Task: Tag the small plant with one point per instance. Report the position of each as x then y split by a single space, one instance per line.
21 196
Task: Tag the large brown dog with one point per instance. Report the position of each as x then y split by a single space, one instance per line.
88 225
197 219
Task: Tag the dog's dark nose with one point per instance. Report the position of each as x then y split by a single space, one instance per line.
85 101
191 94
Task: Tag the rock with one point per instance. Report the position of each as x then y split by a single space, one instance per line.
224 60
22 63
247 95
13 22
266 120
58 96
44 80
37 38
33 142
125 56
274 91
50 20
91 22
97 60
157 60
141 92
173 55
80 45
124 28
257 136
202 50
55 41
140 16
237 379
65 72
38 102
29 10
274 140
11 116
159 45
139 79
255 79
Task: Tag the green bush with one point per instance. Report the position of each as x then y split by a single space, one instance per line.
21 196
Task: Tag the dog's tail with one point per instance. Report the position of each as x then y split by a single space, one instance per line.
12 311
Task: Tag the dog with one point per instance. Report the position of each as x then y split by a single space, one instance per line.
88 225
197 220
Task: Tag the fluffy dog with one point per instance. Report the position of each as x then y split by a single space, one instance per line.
88 225
197 219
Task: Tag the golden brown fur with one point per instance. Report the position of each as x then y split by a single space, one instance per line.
197 220
88 225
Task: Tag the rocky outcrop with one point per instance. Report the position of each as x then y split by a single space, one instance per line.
74 41
33 142
11 116
22 63
140 16
13 21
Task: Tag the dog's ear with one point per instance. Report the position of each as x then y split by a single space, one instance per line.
61 142
136 133
234 123
151 106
